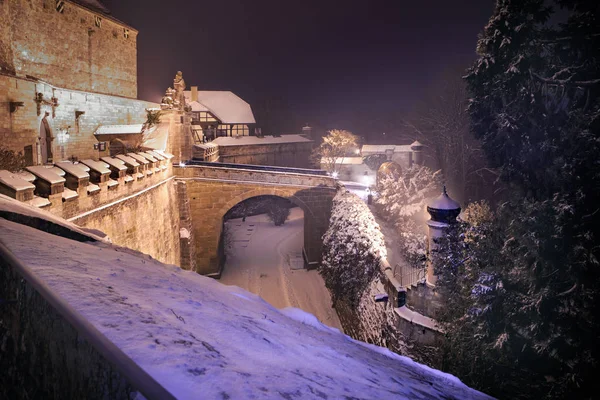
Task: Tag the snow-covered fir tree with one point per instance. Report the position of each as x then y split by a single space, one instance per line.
527 292
400 199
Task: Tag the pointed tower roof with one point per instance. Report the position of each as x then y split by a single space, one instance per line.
443 208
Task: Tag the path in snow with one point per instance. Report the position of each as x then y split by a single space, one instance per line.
259 261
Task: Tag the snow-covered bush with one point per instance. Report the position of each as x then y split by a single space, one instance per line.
407 195
399 202
352 248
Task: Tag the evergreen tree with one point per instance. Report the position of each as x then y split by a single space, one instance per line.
536 107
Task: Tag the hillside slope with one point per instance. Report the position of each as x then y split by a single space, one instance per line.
200 338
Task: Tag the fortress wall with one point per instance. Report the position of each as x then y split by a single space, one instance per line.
68 48
279 154
147 222
21 128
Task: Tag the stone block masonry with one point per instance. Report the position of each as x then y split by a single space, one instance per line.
212 191
42 355
147 222
69 46
20 127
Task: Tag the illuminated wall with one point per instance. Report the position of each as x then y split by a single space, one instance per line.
20 127
68 46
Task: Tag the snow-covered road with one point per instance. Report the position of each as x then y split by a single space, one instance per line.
261 259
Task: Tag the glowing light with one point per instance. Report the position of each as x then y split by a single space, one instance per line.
334 175
357 151
182 164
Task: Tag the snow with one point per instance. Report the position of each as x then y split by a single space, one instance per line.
417 318
195 335
254 140
115 163
14 181
368 149
156 137
119 129
226 106
77 170
261 260
46 174
343 160
97 166
128 160
9 205
139 158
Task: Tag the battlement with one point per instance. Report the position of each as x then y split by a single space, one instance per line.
69 190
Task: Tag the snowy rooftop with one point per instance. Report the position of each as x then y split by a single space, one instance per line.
119 129
195 335
226 106
250 140
381 148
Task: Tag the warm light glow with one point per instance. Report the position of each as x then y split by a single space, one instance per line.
182 164
357 151
334 175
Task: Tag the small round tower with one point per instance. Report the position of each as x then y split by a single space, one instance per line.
417 149
443 211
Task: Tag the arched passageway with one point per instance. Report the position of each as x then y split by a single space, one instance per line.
266 259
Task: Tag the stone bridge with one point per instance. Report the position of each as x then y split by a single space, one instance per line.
207 191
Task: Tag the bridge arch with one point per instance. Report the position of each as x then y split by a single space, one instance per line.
266 192
212 191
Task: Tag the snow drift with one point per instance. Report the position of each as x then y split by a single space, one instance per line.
200 338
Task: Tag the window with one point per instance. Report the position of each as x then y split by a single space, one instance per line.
60 6
97 21
239 130
202 116
126 33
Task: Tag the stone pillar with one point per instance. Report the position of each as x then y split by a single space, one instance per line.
417 149
443 211
180 135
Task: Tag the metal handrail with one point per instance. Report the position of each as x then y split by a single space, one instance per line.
135 375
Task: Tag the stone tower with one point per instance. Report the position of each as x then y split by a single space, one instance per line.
443 211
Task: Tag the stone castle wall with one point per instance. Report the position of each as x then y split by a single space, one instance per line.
21 128
75 49
147 222
295 155
212 191
43 356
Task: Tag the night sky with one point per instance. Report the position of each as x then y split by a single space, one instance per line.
355 65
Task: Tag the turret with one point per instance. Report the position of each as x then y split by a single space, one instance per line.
443 211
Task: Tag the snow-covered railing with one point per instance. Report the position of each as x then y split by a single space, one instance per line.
253 174
133 373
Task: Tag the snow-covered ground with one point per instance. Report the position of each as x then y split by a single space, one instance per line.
202 339
263 259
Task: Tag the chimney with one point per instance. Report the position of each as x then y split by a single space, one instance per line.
194 93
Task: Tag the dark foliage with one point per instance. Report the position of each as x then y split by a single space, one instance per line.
523 312
11 160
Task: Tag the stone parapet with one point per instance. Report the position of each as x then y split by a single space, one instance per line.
263 177
72 189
